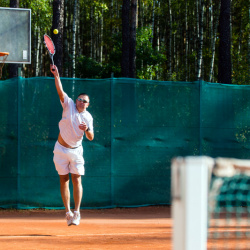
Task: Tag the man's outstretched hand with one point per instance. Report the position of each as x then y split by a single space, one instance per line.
54 70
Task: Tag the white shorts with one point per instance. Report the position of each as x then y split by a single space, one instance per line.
68 160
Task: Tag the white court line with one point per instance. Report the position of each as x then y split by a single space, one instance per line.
111 234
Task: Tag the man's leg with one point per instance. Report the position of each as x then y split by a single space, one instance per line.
65 193
64 187
77 190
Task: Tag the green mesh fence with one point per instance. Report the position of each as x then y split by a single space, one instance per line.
225 120
139 127
229 211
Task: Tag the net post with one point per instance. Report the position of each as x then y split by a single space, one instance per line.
190 180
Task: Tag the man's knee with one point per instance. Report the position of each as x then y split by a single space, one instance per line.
64 179
76 179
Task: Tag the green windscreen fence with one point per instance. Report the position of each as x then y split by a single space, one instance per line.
139 127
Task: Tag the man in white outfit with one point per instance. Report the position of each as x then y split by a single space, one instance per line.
68 152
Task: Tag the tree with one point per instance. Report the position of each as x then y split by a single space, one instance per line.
125 38
214 26
225 67
176 40
248 47
200 39
13 68
132 45
58 17
169 40
74 39
65 40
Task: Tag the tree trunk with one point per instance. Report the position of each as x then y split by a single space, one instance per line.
213 38
58 17
91 32
200 39
41 59
153 23
141 13
65 41
78 31
73 49
225 67
132 54
13 68
158 30
248 52
125 38
186 41
169 39
101 37
38 43
155 28
196 35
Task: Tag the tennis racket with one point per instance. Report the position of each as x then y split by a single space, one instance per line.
50 46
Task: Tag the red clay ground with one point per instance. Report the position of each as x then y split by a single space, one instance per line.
127 228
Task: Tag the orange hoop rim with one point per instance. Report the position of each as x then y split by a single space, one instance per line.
4 53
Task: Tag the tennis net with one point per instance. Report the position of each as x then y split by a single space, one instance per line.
210 203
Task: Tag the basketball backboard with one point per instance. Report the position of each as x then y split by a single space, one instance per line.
15 34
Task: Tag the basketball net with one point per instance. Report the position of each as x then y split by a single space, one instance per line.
3 57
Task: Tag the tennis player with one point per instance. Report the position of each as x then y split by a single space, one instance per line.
68 152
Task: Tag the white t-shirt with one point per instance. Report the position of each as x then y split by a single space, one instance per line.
71 119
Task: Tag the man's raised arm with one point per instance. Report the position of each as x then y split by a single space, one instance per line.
58 83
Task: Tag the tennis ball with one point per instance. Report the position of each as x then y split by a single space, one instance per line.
55 31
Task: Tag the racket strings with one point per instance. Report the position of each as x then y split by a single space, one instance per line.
49 44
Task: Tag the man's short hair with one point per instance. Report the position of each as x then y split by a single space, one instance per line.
83 94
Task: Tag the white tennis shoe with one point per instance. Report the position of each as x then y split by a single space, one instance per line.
76 218
69 218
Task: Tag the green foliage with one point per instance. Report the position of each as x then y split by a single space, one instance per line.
100 24
4 3
149 60
240 43
41 14
113 65
240 74
87 68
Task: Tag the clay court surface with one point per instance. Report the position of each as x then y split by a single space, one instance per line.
120 228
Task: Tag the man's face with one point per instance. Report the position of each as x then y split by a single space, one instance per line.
82 102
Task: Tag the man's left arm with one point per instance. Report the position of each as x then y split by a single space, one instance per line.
89 134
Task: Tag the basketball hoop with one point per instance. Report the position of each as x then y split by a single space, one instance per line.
3 57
